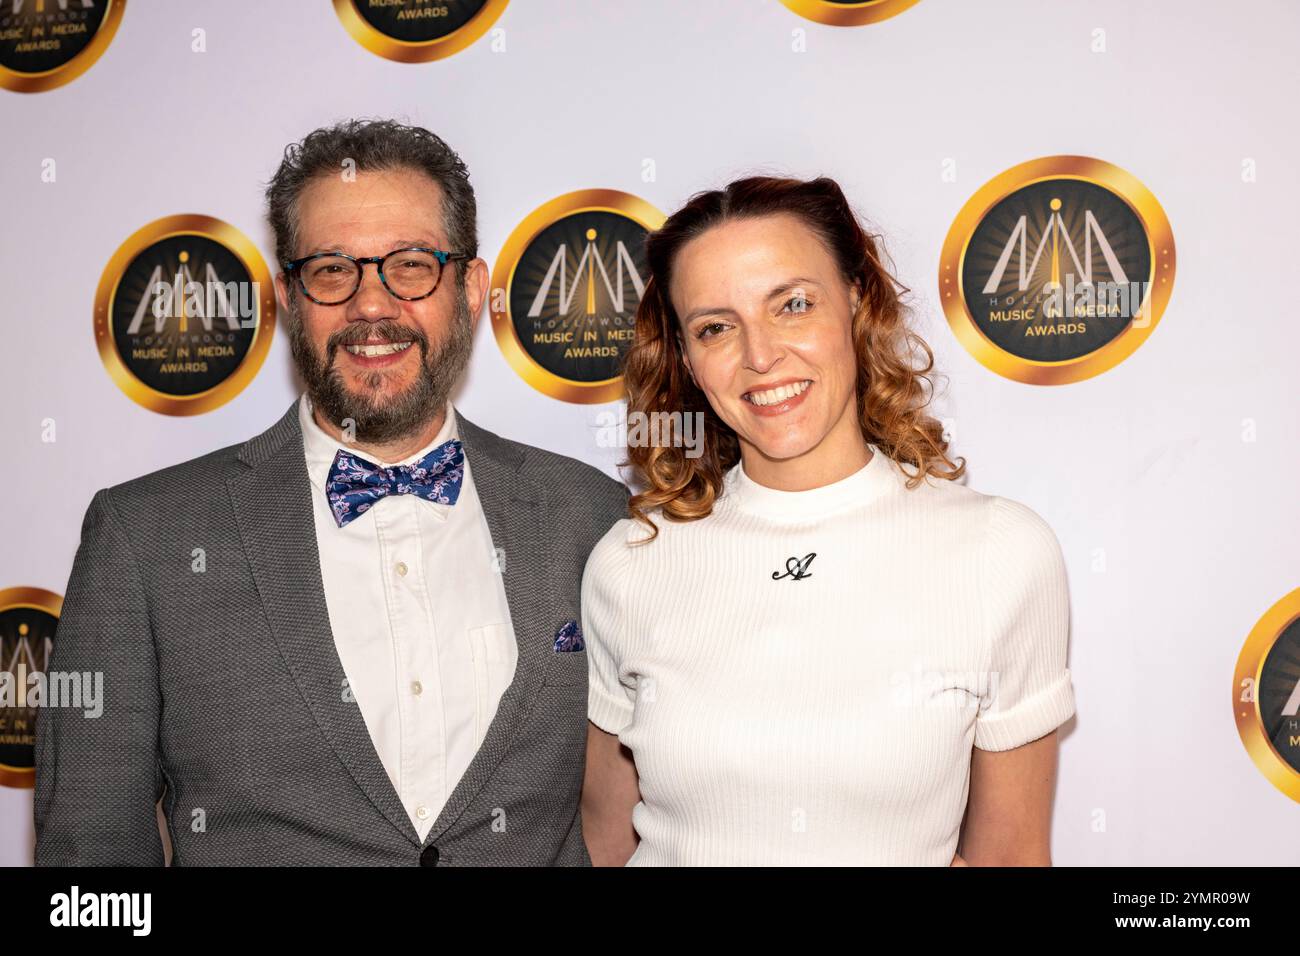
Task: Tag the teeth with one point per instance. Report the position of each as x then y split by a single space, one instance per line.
370 351
774 395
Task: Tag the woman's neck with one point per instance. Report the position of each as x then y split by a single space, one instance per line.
842 452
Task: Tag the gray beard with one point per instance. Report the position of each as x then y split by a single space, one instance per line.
401 416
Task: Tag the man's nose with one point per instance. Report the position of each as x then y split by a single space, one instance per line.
372 302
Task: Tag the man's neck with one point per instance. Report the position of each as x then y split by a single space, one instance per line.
389 451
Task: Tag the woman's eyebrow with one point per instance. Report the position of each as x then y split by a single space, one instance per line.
791 285
787 286
707 310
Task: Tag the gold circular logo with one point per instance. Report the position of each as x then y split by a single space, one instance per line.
565 291
28 618
417 31
845 13
1057 270
184 314
44 43
1266 695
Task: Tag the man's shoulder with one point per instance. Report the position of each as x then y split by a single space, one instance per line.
574 485
188 484
541 464
182 485
559 478
548 466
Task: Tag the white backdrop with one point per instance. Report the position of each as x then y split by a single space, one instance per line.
1146 461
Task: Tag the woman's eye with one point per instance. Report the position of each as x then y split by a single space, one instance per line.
797 304
709 330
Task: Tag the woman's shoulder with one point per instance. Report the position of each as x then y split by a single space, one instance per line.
1020 558
612 554
1016 529
613 541
992 510
633 535
932 492
993 526
623 534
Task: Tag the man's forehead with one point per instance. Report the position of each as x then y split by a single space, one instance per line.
398 204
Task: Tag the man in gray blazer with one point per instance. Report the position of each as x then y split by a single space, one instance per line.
351 639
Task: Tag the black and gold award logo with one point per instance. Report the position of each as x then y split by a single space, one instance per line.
1057 270
565 291
1266 695
184 314
848 13
28 618
46 43
417 31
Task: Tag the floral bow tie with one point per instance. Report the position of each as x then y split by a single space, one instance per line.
354 484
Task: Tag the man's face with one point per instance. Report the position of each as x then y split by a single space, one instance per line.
383 363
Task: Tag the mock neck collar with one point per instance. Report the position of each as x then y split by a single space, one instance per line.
873 480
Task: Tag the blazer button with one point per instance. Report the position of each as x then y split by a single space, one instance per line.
429 856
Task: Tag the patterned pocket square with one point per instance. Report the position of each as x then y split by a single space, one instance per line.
569 638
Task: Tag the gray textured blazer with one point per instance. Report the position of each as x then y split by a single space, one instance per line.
223 692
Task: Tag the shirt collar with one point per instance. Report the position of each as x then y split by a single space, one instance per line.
878 477
320 449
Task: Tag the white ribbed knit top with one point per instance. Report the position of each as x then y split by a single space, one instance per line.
825 715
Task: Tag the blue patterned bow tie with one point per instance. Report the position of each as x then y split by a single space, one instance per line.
354 484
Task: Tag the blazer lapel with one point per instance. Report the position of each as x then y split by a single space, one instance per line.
273 509
513 506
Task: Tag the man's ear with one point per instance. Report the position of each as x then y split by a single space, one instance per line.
281 292
477 279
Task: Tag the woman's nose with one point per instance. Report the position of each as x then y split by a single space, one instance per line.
762 346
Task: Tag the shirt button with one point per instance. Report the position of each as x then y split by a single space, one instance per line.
416 687
401 568
422 812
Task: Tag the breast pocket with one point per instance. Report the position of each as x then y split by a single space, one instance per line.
567 667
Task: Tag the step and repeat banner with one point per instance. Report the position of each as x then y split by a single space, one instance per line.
1142 399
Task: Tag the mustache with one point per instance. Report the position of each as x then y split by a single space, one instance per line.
358 333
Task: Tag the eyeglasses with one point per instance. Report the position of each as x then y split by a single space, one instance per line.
331 278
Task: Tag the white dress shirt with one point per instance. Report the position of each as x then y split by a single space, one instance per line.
420 620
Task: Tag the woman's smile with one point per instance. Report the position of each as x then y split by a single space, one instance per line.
777 398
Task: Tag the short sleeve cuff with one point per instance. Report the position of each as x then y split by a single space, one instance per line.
608 713
1028 719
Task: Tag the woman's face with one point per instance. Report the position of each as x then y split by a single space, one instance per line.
766 330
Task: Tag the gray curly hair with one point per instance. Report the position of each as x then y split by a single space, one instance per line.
373 145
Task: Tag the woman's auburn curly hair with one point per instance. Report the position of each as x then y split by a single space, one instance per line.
892 393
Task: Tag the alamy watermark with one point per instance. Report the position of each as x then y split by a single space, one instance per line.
925 687
651 430
75 689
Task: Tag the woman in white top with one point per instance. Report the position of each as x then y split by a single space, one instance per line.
810 645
